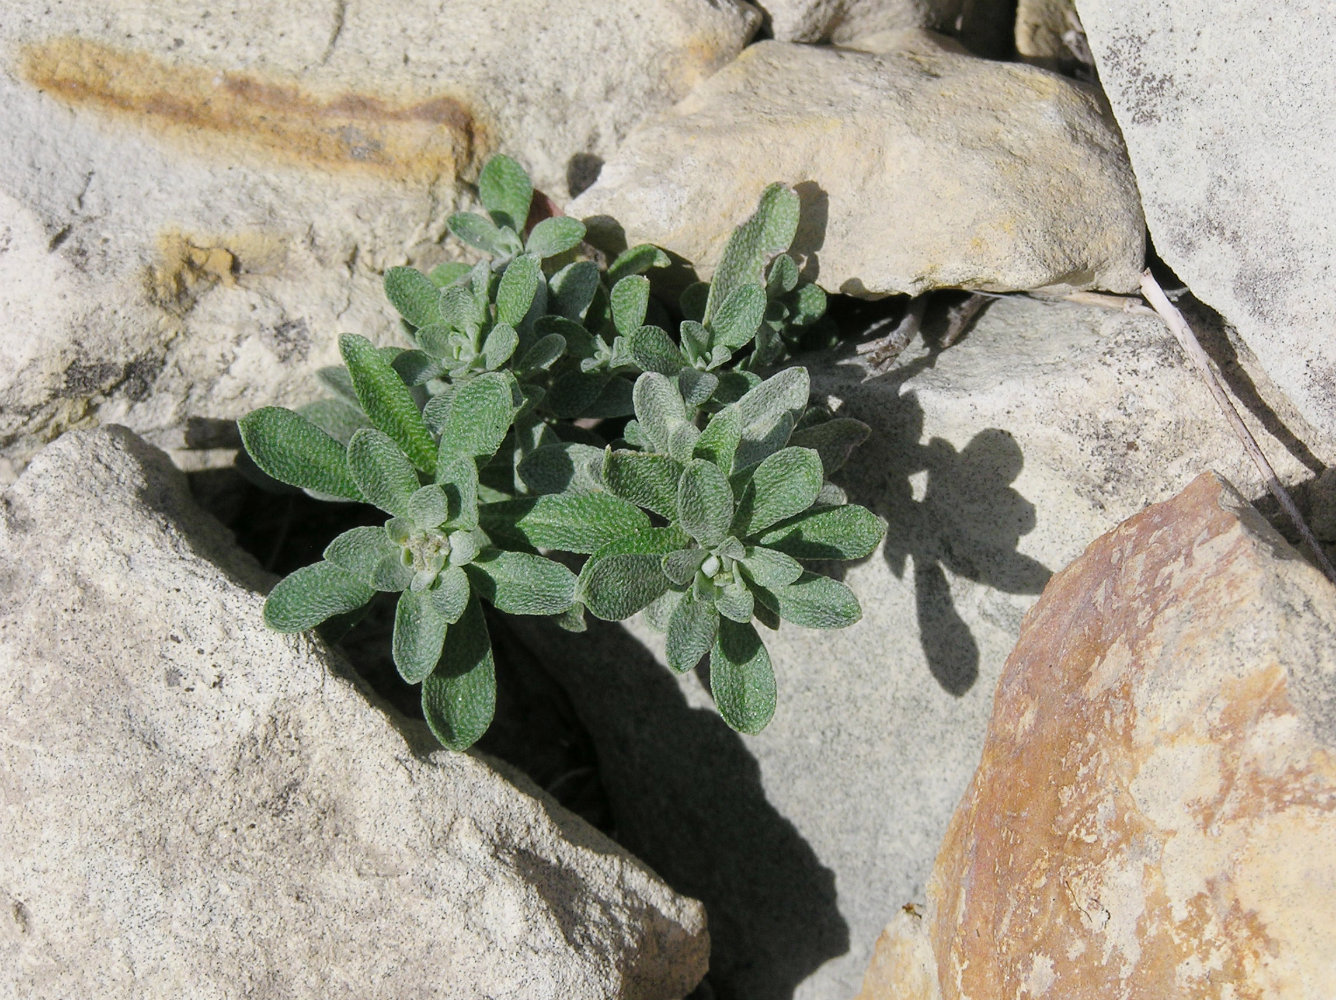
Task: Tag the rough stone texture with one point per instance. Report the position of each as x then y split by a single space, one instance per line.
903 965
993 462
193 805
845 20
919 166
1155 810
1044 32
1222 106
196 200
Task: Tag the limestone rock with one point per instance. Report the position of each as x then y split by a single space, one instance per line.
194 805
993 462
1221 106
196 201
845 20
919 166
1155 809
1048 33
903 964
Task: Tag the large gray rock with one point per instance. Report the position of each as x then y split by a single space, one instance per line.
195 201
1225 109
919 166
197 806
993 462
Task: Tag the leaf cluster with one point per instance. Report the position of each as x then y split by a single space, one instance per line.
543 407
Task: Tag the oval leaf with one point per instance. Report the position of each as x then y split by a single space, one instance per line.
459 696
382 473
414 295
849 532
692 629
568 522
813 601
555 236
309 596
387 400
785 484
419 633
522 583
505 191
741 679
293 450
704 502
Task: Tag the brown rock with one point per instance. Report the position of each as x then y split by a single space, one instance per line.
1155 811
902 964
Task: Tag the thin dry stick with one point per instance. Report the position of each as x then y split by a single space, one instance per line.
1154 294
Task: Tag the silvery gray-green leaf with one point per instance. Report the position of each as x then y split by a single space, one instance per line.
691 632
769 413
719 355
809 304
384 476
438 408
782 276
833 440
506 192
573 288
814 602
682 442
436 339
624 576
387 401
419 634
307 597
567 522
636 260
458 478
293 450
735 602
446 274
555 236
428 507
459 696
562 468
659 611
481 412
704 502
499 346
482 233
417 367
465 546
831 495
544 352
414 295
768 232
392 574
518 287
360 550
718 442
522 583
659 408
849 532
782 486
655 351
735 322
451 594
338 381
630 300
741 679
770 567
648 481
695 386
695 341
462 309
680 567
692 300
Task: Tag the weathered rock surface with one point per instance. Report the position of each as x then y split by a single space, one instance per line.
1222 106
903 964
193 805
1047 31
993 462
196 201
1155 810
845 20
920 167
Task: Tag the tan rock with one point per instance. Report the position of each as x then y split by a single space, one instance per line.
919 166
844 20
1047 33
903 966
1155 811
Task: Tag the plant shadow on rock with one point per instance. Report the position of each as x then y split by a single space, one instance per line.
687 795
967 518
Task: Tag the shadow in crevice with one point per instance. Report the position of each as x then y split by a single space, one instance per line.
946 509
687 799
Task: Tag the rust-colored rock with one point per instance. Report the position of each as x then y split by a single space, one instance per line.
1155 812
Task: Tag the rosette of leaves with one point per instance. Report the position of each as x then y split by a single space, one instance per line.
740 507
431 551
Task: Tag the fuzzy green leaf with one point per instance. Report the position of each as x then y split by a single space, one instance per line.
648 481
630 301
704 502
849 532
696 386
482 233
655 351
813 601
567 522
360 550
692 300
555 236
659 408
782 276
741 679
519 285
458 478
414 295
719 441
680 567
543 354
573 288
624 576
505 191
450 595
695 341
336 417
499 346
769 568
562 468
738 316
387 401
309 596
833 440
293 450
768 232
459 696
783 485
636 260
735 602
383 475
419 633
522 583
692 630
446 274
481 412
769 413
428 507
462 309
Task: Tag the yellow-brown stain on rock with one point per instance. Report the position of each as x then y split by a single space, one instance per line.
188 265
436 138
